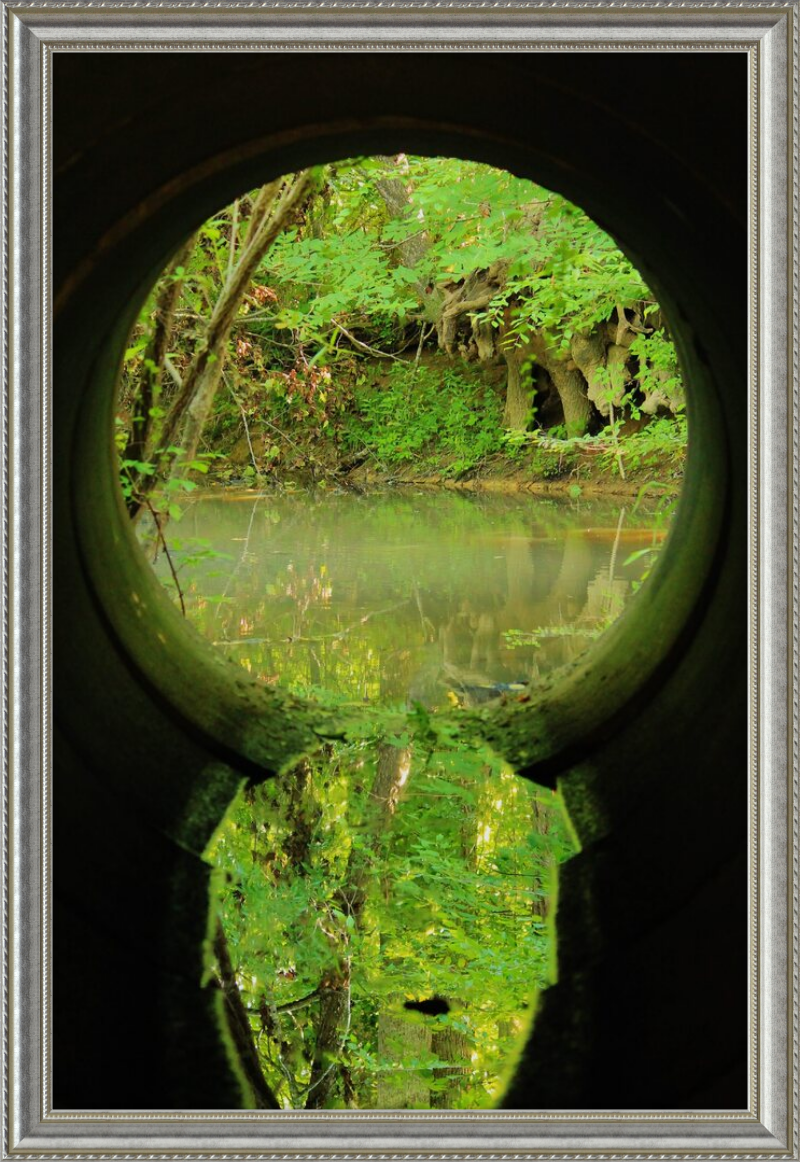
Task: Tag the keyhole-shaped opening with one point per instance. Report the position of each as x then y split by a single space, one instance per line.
401 436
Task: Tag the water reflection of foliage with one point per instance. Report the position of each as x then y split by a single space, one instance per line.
399 623
377 872
403 865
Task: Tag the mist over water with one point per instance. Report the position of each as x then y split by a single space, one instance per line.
406 596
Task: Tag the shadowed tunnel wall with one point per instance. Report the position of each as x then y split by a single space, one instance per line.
154 733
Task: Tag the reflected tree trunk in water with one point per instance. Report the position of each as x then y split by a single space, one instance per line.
392 766
577 568
453 1046
302 815
239 1025
447 1043
399 1041
540 905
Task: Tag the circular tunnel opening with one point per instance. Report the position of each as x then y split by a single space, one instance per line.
537 344
218 728
426 329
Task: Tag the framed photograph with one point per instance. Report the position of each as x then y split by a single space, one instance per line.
666 1023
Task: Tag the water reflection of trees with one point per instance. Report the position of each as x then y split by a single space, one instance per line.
440 609
371 876
385 869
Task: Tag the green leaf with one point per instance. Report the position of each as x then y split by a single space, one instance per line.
132 352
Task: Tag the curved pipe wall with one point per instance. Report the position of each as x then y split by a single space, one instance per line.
154 732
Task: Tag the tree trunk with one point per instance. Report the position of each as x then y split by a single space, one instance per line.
239 1025
412 250
398 203
571 388
332 1023
272 212
390 775
401 1040
517 413
589 352
568 382
473 294
453 1046
540 904
619 377
484 335
140 444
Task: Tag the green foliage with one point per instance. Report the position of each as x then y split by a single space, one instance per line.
364 275
569 278
442 894
658 371
425 412
166 498
339 268
564 274
660 442
667 495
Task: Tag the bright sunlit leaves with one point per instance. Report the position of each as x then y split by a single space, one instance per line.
374 875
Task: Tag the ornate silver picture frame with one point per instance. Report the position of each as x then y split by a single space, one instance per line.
43 514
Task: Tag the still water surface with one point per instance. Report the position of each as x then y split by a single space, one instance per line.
403 596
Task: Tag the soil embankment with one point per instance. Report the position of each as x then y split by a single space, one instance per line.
571 474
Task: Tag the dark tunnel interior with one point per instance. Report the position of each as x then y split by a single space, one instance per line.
152 736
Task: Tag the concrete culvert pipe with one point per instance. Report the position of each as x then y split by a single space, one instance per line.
154 733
